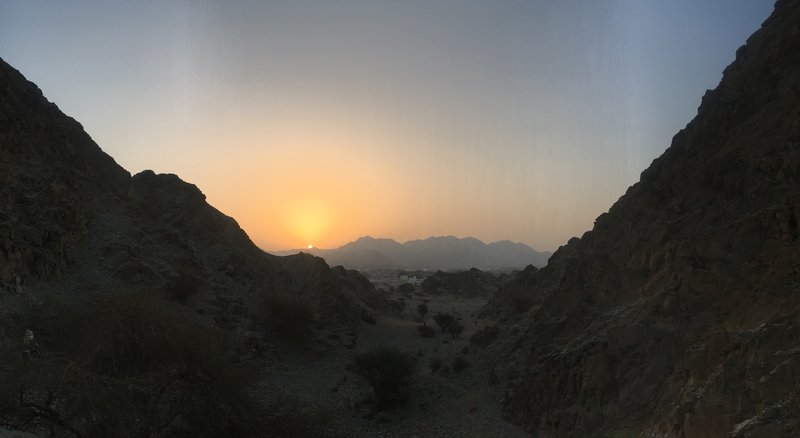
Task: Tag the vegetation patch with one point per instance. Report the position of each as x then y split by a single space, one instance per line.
389 371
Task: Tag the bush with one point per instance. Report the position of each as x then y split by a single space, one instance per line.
459 363
444 321
422 309
455 329
431 285
485 336
435 363
389 371
426 331
368 317
405 288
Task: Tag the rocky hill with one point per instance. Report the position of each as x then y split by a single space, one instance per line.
678 314
134 290
470 283
445 253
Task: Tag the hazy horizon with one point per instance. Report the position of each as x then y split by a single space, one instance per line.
318 122
400 242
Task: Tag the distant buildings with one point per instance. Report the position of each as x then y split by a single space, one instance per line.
410 279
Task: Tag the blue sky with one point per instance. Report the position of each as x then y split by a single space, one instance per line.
319 121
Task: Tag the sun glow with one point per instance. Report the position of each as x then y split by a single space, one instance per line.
310 246
308 219
316 172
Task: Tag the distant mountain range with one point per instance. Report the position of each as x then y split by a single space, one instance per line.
443 253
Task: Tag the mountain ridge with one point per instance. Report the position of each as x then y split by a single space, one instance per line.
435 252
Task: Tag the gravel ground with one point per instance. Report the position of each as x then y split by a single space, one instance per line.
444 404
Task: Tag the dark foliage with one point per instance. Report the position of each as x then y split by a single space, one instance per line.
405 288
389 371
422 309
435 363
459 364
426 331
368 318
455 329
444 321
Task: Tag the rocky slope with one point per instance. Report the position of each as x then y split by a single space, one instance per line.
464 284
66 205
677 315
133 284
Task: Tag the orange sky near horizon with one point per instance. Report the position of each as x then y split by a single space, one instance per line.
317 122
325 175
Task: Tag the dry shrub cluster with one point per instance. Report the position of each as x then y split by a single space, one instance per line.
388 370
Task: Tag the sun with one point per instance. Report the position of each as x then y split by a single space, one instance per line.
310 246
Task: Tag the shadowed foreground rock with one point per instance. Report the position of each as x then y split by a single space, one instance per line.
128 305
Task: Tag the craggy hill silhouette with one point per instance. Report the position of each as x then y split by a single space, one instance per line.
129 302
447 253
69 209
678 314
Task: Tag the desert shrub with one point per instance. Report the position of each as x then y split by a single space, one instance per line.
459 364
288 316
388 370
444 321
435 363
431 285
455 329
399 304
368 317
485 336
426 331
405 288
422 309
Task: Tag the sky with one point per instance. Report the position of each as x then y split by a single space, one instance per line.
316 122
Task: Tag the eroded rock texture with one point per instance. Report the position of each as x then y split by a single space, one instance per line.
677 314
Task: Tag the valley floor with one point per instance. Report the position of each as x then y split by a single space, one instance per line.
441 404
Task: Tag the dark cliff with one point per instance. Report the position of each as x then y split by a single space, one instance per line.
678 313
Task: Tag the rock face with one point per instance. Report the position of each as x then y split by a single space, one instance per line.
677 315
50 173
